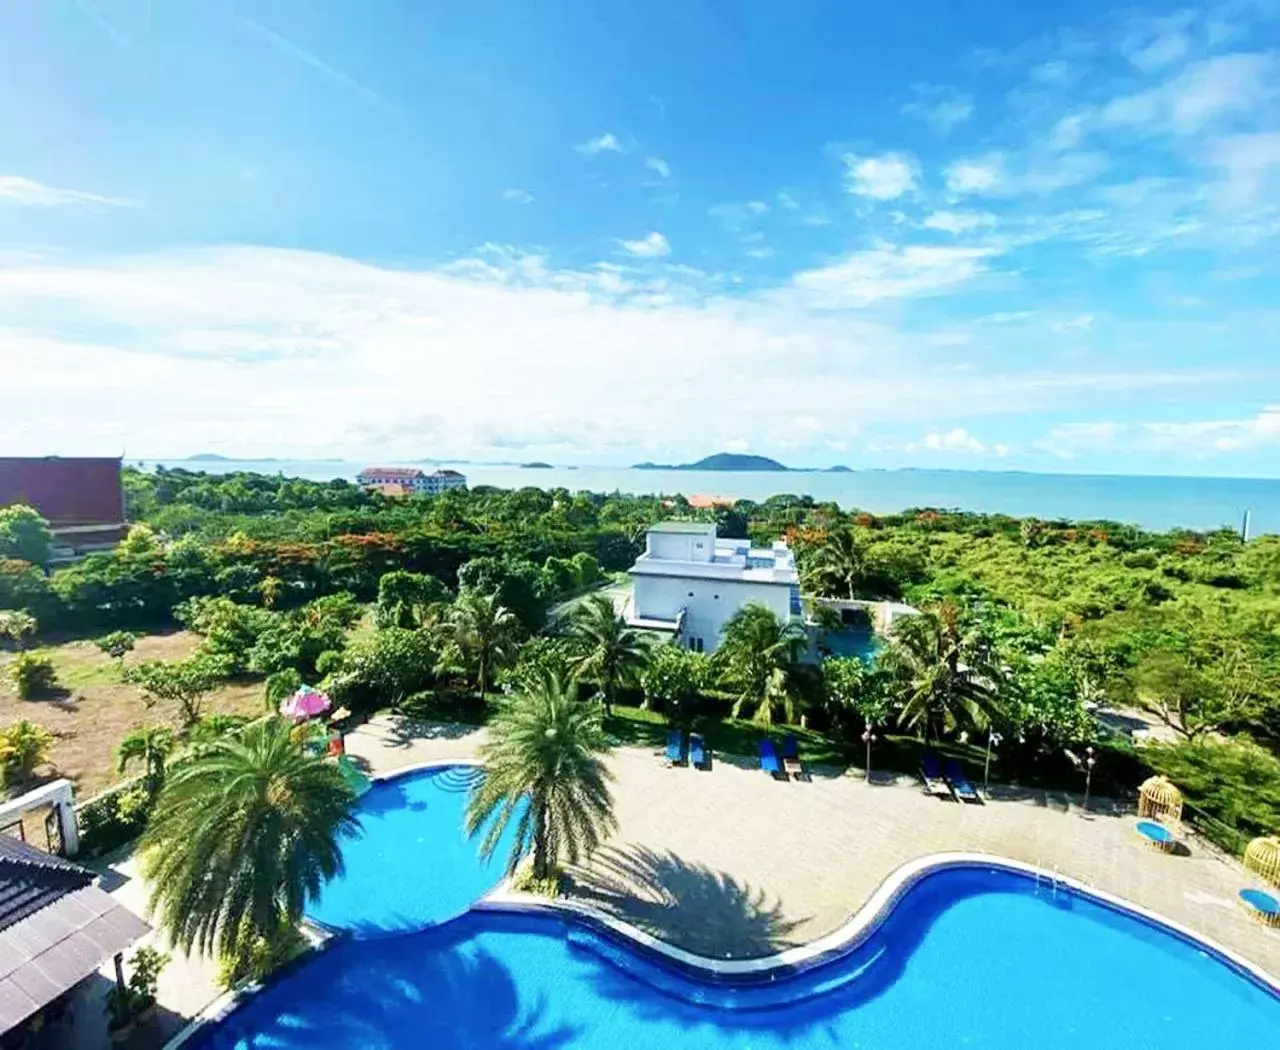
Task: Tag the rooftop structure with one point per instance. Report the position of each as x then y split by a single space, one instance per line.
82 498
56 928
690 582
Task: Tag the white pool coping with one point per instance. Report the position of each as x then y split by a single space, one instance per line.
864 922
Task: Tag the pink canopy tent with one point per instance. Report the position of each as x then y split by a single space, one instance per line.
305 703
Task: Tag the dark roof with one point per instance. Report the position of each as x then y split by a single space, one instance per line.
66 491
31 878
56 928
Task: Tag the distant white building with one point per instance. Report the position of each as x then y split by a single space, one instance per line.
690 582
405 481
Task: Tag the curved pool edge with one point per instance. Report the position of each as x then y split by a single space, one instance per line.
829 948
864 923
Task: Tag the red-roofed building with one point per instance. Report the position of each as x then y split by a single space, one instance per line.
411 479
82 498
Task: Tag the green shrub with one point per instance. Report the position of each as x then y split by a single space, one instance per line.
117 644
431 706
525 882
261 957
113 818
23 746
32 675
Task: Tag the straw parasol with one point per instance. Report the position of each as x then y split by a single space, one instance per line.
1159 799
1263 856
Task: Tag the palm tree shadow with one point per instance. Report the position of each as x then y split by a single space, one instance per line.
394 992
704 911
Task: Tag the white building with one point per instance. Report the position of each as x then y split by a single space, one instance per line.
403 481
690 582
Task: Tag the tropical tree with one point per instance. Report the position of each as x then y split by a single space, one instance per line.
23 746
839 564
117 644
850 686
613 654
760 654
673 679
242 837
185 683
482 635
150 746
941 668
543 771
408 599
25 535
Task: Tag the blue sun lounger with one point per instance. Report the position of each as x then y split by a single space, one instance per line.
675 747
697 752
965 791
931 774
769 761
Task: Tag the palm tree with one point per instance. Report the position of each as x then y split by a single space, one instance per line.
839 565
242 837
760 654
542 769
941 665
483 633
151 746
614 654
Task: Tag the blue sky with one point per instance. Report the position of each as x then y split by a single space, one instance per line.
942 234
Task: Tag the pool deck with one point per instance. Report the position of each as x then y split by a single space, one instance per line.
730 863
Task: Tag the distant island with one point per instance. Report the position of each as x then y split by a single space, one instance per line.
839 468
720 461
535 465
209 457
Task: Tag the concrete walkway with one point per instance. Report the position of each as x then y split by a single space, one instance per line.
733 864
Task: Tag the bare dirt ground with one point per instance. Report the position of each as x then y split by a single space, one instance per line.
99 709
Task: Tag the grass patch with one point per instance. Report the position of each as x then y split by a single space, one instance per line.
729 736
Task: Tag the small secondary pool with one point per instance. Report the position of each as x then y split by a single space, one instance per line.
410 865
971 956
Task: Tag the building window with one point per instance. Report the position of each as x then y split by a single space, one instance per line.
695 645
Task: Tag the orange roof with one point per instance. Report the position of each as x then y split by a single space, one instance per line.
391 489
702 502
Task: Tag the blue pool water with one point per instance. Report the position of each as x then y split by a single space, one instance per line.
971 957
410 865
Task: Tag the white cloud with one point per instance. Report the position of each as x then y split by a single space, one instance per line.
660 166
1197 438
241 349
650 246
1200 95
606 143
956 440
1081 323
883 178
977 176
517 196
958 222
756 207
788 202
1250 165
891 272
943 107
14 189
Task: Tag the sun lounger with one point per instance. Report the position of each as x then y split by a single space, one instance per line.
791 757
697 752
769 760
675 747
965 791
931 774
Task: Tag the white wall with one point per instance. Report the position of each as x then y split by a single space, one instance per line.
683 546
712 603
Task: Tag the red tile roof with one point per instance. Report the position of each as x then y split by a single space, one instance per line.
66 491
391 473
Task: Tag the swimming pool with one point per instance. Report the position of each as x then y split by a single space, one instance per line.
975 956
410 865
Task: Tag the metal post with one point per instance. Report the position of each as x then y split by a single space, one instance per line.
868 736
993 738
1088 775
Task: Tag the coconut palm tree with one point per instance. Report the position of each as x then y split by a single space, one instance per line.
543 770
942 668
482 633
759 654
150 746
613 654
838 565
242 837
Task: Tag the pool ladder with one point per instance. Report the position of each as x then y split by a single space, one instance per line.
1050 879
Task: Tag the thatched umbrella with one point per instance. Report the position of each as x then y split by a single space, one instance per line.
1263 856
1159 799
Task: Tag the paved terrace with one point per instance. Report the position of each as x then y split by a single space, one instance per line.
731 863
